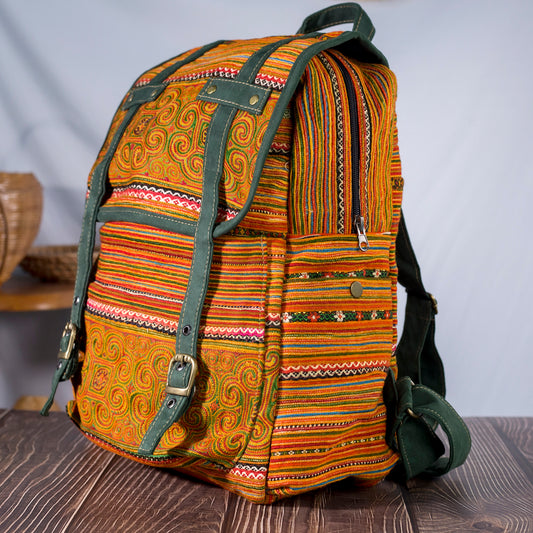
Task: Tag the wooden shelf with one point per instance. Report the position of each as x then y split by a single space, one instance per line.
23 293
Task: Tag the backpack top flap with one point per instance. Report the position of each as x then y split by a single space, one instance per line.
156 163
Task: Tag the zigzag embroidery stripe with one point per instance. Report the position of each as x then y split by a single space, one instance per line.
263 80
249 471
321 374
155 194
149 321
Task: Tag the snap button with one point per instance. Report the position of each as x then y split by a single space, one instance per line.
211 89
356 289
254 99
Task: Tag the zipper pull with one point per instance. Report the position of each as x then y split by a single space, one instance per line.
361 233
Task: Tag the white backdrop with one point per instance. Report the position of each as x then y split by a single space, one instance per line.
465 115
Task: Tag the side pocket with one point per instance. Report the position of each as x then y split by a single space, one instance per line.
337 336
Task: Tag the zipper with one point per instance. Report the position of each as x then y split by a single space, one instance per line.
357 217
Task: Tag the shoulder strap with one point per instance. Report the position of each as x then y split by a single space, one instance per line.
415 402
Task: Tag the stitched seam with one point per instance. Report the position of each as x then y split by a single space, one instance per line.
151 215
447 404
211 218
356 28
231 82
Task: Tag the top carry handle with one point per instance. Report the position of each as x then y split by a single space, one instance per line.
339 14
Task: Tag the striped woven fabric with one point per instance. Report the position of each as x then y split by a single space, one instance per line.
298 327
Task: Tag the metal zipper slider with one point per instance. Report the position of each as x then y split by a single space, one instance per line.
361 233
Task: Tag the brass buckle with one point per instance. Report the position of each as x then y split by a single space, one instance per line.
411 413
71 331
181 358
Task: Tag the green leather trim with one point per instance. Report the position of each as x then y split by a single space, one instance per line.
98 189
65 371
347 40
172 409
246 96
419 410
141 95
416 354
348 12
191 310
107 214
138 216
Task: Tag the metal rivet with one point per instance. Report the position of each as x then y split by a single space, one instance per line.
211 89
254 99
130 99
186 330
171 403
153 94
76 300
356 289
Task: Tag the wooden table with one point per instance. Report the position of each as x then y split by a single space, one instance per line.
53 480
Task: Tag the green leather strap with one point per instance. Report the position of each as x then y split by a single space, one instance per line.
206 229
70 340
175 405
415 403
419 411
348 12
416 354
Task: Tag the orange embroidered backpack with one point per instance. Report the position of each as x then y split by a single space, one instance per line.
240 322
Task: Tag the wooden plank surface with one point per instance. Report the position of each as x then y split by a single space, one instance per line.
46 472
490 493
53 480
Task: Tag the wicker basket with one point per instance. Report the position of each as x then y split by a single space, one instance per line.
53 263
21 204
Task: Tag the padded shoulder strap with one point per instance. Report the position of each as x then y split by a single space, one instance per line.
417 354
415 402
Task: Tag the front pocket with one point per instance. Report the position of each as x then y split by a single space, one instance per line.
131 317
337 335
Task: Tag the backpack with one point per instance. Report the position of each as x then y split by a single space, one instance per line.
239 324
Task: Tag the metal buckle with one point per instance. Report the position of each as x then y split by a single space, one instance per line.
411 413
71 331
182 358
